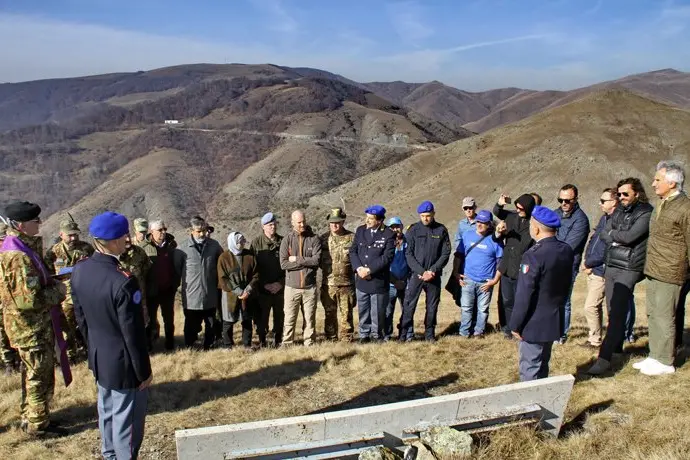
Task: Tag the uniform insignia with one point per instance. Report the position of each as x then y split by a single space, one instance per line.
335 212
124 271
524 268
136 298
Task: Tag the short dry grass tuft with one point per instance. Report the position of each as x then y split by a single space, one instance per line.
623 416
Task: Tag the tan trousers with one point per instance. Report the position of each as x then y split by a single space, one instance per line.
593 307
662 301
294 298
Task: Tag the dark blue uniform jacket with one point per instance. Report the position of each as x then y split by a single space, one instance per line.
107 305
374 250
543 286
428 248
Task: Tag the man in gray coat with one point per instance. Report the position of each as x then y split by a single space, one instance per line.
200 283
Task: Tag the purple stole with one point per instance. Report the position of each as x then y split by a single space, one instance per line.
12 243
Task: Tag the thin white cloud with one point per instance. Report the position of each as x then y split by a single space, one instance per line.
434 59
279 19
407 19
595 8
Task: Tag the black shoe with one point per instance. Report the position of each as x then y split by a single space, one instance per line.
364 340
431 339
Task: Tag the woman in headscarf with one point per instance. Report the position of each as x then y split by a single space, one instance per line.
238 278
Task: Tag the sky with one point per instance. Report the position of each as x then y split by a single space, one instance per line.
470 44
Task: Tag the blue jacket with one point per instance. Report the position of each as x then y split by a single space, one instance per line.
107 305
595 254
543 286
574 230
374 250
399 268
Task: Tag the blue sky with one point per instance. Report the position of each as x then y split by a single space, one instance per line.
469 44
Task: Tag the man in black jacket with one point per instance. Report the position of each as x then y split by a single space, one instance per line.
107 304
594 266
428 251
543 288
626 235
517 240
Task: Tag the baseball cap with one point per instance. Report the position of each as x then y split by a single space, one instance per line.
484 216
468 201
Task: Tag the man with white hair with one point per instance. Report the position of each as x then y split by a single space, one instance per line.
164 277
666 267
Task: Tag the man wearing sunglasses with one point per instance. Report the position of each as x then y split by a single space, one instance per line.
574 230
594 266
626 235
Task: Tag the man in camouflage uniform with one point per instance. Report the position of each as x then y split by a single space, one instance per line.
8 354
64 255
27 295
137 262
337 291
141 230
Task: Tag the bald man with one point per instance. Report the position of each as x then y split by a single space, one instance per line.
300 253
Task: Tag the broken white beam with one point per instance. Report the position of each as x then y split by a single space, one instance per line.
270 438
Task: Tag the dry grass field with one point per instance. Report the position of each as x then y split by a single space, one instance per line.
627 415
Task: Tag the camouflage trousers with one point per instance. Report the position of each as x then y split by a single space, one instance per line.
38 383
7 353
338 299
68 323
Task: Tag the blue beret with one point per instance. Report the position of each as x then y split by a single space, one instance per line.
268 218
109 226
545 216
376 210
426 206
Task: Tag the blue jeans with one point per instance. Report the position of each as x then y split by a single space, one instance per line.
372 314
471 294
393 294
566 322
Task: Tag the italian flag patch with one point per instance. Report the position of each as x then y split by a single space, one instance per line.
524 268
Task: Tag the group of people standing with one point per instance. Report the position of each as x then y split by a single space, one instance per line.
105 298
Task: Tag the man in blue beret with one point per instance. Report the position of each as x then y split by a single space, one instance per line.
543 287
371 255
108 301
428 251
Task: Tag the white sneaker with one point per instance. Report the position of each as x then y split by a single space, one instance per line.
640 364
657 368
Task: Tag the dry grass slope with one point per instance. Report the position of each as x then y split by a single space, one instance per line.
592 142
627 416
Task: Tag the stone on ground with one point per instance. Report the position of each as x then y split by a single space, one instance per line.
418 451
378 453
445 442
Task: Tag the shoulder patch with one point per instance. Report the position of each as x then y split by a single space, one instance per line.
524 268
136 297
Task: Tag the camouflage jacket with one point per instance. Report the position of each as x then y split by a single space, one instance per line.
26 303
137 262
335 259
64 255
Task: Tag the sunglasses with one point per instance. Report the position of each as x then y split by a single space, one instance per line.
519 208
625 194
467 208
566 200
602 201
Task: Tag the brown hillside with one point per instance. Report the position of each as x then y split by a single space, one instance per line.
592 142
669 86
